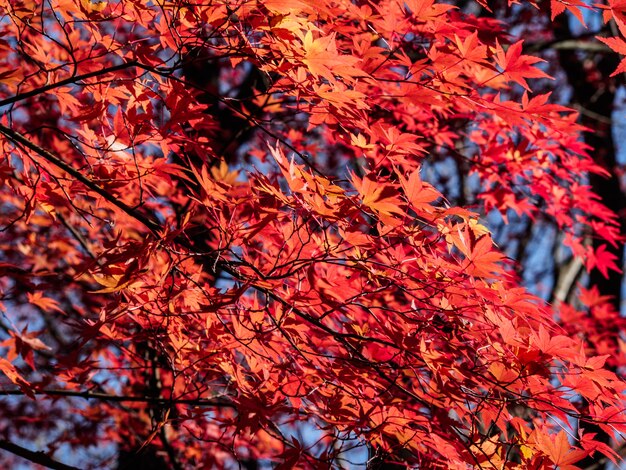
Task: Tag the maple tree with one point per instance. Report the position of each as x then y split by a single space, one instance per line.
220 246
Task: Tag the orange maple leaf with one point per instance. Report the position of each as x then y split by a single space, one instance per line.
559 450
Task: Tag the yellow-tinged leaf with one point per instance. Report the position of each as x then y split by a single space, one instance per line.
358 140
503 374
111 283
223 173
378 196
11 372
526 451
93 7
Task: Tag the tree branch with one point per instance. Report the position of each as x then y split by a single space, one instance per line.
67 81
156 228
40 458
569 45
171 453
18 138
204 402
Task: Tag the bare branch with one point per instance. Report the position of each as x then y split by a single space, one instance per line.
570 45
203 402
40 458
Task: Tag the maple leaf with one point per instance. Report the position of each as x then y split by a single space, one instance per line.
341 97
31 340
573 6
483 260
619 46
287 6
503 373
556 8
471 49
554 345
559 450
380 198
418 193
591 297
111 283
45 303
11 77
617 12
12 373
603 260
590 445
323 60
92 7
360 142
517 66
427 9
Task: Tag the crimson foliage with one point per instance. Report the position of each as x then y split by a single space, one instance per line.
216 229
